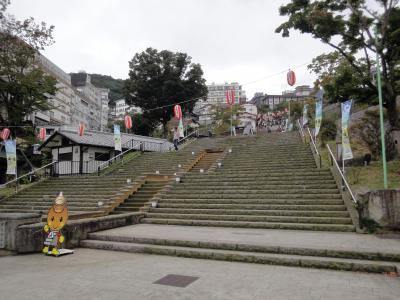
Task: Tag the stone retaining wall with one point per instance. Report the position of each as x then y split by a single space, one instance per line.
30 238
382 206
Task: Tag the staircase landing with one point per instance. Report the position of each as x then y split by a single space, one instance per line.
329 250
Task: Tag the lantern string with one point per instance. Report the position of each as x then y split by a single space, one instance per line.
246 83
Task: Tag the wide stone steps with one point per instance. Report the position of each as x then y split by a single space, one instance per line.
299 213
271 195
252 218
256 181
356 261
247 224
274 190
308 207
138 199
272 200
217 187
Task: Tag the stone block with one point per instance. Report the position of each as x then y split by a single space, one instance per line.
382 206
30 238
11 222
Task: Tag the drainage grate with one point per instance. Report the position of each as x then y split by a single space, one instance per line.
2 235
176 280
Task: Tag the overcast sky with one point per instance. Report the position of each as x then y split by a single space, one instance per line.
233 40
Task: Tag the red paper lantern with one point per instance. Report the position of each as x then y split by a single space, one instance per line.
291 78
42 134
5 134
128 121
230 97
178 112
81 129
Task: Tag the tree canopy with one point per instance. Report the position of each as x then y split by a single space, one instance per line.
349 27
24 87
160 79
116 86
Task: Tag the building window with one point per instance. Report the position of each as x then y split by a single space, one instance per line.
101 156
65 156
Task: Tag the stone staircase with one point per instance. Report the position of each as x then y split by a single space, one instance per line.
332 251
137 200
242 211
206 161
93 195
265 182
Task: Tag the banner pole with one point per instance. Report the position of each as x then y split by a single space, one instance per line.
231 121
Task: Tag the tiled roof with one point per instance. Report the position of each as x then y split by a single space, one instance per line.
101 139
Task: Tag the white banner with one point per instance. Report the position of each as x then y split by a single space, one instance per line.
180 129
346 149
117 138
11 153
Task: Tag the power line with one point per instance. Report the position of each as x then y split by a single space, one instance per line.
246 83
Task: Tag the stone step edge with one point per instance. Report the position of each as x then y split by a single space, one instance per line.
224 245
247 257
249 224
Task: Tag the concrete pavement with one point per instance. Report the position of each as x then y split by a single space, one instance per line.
94 274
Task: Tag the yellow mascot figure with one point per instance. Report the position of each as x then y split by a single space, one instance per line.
56 220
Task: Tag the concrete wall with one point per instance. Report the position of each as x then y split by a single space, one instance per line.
9 223
30 238
382 206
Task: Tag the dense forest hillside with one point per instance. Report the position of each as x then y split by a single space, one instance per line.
105 81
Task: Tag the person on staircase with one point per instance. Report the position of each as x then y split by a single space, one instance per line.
176 138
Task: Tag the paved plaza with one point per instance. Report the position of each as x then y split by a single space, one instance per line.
97 274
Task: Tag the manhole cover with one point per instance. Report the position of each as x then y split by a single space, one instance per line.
176 280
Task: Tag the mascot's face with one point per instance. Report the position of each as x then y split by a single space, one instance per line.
57 217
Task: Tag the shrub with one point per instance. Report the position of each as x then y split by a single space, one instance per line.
368 131
328 130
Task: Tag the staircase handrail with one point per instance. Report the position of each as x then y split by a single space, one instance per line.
189 135
300 129
110 161
312 141
30 173
334 162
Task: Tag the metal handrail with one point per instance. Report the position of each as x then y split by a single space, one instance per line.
300 129
107 163
341 174
189 135
312 141
27 174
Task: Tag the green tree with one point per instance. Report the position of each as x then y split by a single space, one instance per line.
222 117
348 27
367 130
24 87
160 79
141 125
340 82
116 86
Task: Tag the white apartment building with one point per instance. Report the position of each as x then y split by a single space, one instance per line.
93 104
122 108
73 103
216 92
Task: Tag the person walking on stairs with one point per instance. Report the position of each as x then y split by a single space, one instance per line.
176 138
